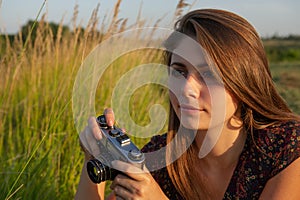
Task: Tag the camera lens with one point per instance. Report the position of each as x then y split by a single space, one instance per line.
98 172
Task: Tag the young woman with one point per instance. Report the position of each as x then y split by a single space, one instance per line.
245 141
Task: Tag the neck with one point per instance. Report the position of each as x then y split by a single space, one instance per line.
220 147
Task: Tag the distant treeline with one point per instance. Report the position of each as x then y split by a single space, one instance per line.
30 29
278 48
283 49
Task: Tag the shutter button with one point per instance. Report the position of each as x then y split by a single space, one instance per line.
135 154
114 133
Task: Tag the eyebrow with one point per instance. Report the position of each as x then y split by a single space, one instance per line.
198 66
178 63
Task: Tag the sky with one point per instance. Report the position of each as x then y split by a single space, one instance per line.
269 17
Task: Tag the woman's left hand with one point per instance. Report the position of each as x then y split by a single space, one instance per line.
136 184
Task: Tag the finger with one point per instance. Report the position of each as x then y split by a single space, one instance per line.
116 181
92 143
94 127
127 183
109 116
83 141
122 193
90 137
130 170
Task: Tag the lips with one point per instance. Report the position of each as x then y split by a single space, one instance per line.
189 107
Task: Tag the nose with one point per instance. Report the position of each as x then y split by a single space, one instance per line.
192 87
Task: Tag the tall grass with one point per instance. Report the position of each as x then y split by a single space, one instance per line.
287 79
39 152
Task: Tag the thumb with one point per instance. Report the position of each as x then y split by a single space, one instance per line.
109 116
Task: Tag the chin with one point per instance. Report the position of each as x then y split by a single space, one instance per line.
193 124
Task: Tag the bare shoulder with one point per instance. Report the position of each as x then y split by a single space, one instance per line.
285 185
286 180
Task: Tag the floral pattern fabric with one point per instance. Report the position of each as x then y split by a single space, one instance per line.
265 155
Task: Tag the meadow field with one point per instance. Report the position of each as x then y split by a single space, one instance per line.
40 154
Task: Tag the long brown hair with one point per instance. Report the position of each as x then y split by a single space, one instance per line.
238 54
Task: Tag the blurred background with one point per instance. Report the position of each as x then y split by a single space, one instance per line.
42 46
269 17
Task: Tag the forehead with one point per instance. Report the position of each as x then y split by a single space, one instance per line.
190 51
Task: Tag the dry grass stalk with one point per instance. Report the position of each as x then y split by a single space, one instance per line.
181 5
123 25
74 17
114 22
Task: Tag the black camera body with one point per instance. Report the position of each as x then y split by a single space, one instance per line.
114 145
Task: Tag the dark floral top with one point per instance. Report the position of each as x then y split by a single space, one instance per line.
276 147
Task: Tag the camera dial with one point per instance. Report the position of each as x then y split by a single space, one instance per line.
135 154
114 145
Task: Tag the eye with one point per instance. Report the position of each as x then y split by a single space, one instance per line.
178 73
207 74
210 78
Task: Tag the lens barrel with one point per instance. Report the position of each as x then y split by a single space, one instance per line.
98 172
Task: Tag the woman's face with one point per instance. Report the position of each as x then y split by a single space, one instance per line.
197 96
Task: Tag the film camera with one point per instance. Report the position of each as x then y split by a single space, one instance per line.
114 145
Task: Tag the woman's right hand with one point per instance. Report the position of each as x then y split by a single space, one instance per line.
92 134
88 141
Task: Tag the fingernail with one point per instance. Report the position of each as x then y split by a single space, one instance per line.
110 122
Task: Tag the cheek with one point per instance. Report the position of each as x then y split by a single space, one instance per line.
176 85
222 105
226 107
